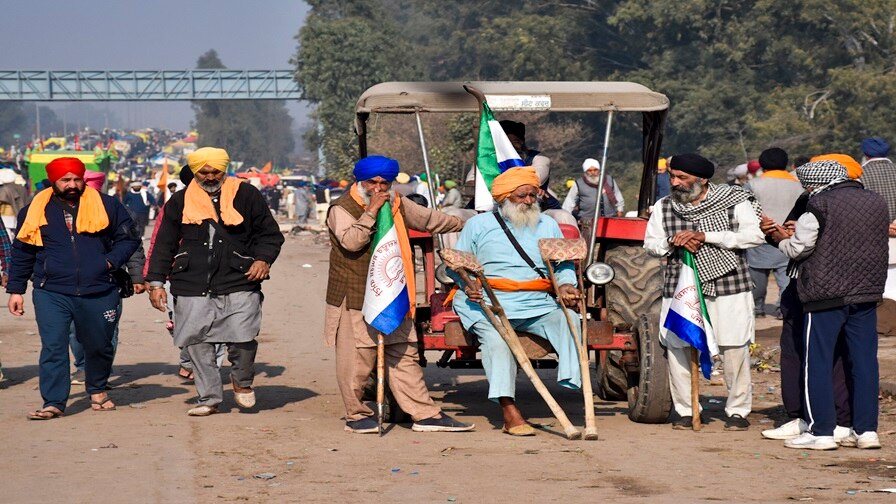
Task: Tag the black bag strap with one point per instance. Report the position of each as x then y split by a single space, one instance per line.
220 230
516 244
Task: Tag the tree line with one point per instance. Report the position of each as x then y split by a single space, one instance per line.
809 76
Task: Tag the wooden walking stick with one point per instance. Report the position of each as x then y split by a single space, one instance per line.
380 382
555 249
464 264
695 390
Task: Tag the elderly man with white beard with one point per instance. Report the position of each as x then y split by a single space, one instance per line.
523 290
716 223
583 195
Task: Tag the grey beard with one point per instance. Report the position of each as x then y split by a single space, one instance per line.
690 195
212 189
521 215
364 194
592 180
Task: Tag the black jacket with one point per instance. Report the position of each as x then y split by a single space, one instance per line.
182 254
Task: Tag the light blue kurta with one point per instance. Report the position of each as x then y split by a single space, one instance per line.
530 311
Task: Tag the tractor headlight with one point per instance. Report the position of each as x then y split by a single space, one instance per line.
600 273
442 275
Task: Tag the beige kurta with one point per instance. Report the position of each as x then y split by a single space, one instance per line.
356 341
353 234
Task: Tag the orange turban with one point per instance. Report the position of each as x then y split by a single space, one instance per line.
853 168
510 180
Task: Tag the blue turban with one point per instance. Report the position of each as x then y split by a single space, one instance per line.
875 147
376 166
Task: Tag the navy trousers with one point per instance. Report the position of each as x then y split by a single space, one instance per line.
95 318
793 359
858 323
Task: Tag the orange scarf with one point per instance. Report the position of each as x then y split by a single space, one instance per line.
404 245
92 217
779 174
508 285
198 204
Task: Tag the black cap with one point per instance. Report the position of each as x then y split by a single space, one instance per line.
694 164
514 128
773 159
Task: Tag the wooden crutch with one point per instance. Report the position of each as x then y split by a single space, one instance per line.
556 249
380 380
465 263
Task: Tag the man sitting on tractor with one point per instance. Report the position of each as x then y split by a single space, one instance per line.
522 286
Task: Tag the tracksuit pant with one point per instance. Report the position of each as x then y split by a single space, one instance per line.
793 360
858 323
95 317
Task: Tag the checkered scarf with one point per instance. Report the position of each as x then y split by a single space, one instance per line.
823 174
712 215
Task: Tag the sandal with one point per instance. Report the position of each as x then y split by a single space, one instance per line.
98 405
44 414
185 373
243 399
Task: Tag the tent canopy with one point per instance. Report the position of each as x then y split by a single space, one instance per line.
409 97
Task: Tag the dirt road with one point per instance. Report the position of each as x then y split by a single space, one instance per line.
149 450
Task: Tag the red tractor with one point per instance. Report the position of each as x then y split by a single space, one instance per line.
624 283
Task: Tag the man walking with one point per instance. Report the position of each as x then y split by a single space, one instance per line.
215 245
139 202
351 222
840 243
716 223
70 240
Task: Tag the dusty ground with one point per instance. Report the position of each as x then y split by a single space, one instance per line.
150 451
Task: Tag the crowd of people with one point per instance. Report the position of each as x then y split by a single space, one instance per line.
820 225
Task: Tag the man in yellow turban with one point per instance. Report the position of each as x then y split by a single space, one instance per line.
523 291
215 245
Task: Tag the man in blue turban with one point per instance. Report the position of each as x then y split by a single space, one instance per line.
351 220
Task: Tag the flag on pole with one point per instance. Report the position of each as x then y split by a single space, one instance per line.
687 316
495 155
386 301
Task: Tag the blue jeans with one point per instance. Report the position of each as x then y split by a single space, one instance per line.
78 348
95 317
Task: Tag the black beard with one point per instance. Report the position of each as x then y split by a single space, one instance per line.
70 195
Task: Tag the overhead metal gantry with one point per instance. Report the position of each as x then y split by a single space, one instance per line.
147 85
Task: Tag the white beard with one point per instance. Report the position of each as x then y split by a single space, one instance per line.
688 196
363 193
521 215
595 180
212 189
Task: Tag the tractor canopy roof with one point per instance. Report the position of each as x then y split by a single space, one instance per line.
410 97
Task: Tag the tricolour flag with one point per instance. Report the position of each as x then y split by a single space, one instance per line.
495 155
386 301
687 316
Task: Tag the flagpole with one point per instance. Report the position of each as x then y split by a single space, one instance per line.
429 179
695 390
380 382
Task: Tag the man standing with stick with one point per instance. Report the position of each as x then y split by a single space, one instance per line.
352 223
715 223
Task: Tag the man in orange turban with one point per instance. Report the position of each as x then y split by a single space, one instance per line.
522 290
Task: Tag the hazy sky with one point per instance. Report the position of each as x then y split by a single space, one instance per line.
149 35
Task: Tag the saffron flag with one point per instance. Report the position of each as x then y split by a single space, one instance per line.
386 301
687 316
495 155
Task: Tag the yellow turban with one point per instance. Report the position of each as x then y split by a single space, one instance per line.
853 168
208 156
510 180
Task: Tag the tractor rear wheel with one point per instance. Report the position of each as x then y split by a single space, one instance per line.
636 292
649 396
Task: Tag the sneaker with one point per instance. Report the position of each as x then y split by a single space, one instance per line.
789 430
683 423
865 441
809 441
366 425
78 377
441 423
736 423
841 433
